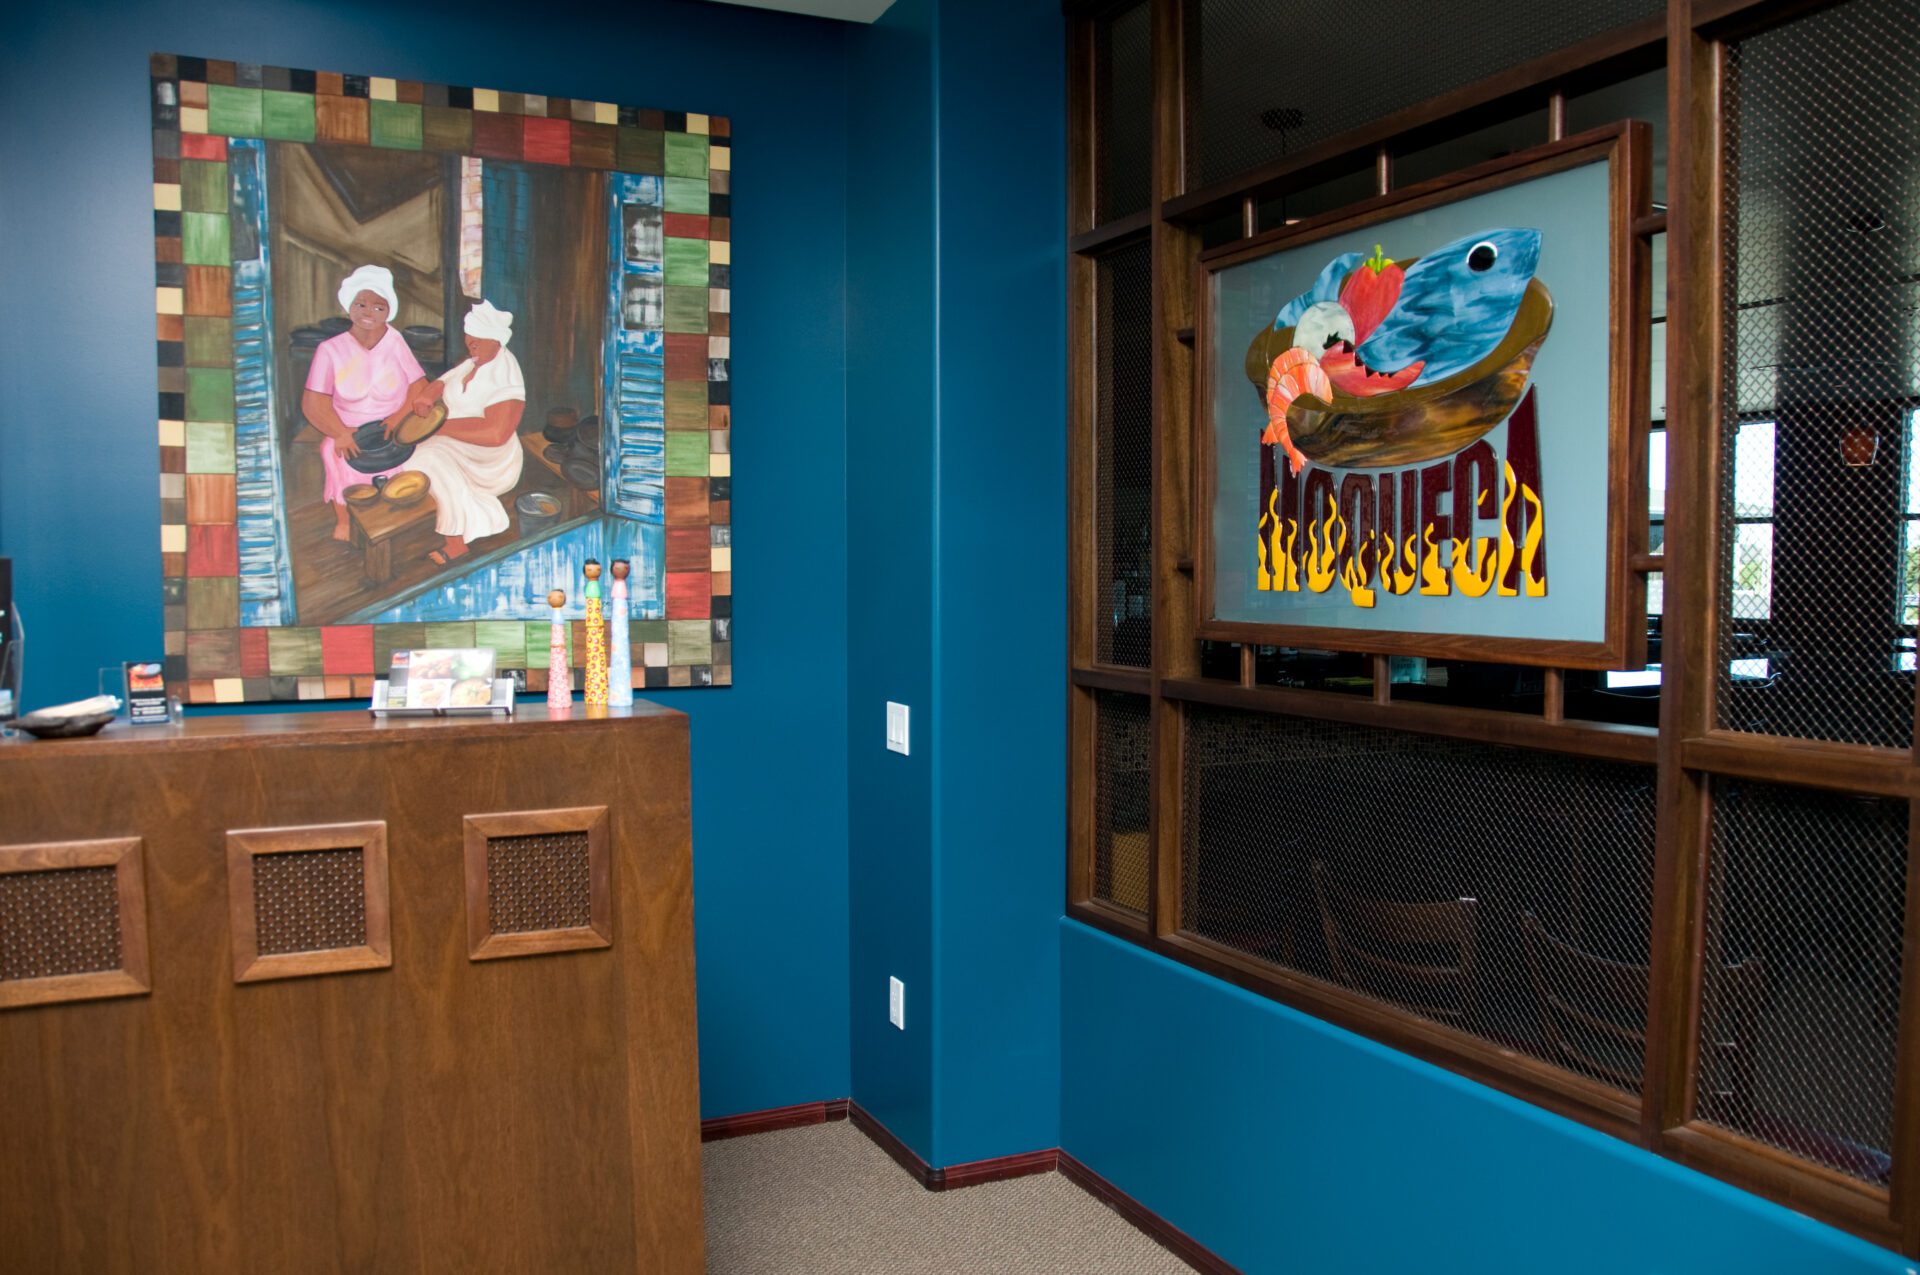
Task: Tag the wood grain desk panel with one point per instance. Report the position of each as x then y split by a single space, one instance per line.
538 1114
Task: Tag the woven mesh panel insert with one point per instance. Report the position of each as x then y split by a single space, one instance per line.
1124 98
62 921
1805 905
1505 892
309 901
539 882
1819 491
1122 780
1123 494
1268 78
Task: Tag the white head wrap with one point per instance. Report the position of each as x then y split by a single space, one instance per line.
489 324
375 279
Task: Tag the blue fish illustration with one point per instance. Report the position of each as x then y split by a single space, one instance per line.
1456 305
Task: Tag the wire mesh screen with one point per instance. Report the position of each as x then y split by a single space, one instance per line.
1819 491
1123 97
1501 891
1122 780
539 882
1805 904
1266 79
309 900
61 921
1123 449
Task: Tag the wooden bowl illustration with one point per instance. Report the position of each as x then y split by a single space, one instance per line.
362 494
1426 422
409 488
416 429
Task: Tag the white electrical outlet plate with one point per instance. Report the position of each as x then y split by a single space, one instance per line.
897 1003
897 731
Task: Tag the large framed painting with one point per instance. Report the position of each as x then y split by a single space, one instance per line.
1421 422
424 350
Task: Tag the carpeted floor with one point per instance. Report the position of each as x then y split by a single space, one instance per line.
824 1200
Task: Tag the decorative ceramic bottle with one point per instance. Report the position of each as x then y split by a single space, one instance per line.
596 639
620 654
559 673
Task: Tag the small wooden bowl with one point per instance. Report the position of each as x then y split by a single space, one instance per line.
407 488
362 495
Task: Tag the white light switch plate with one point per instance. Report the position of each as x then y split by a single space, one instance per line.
897 1003
897 732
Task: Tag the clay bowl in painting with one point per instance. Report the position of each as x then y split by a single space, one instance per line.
378 453
406 489
418 429
362 495
586 438
1423 423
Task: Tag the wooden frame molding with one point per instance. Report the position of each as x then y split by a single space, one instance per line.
250 964
1623 149
132 977
484 942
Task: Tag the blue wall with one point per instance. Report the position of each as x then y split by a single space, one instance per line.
79 498
956 482
1000 641
1285 1144
891 394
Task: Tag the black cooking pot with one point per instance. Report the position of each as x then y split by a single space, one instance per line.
378 453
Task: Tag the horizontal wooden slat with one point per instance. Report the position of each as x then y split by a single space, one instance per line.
1861 768
1100 238
1603 740
1622 51
1137 681
1799 1184
1541 1083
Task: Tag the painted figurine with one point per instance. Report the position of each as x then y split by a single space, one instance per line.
620 656
596 639
559 673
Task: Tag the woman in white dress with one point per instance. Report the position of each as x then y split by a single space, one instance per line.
475 458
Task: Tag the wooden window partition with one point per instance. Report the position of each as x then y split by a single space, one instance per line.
1659 1009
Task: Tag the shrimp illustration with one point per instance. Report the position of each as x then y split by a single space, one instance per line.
1294 373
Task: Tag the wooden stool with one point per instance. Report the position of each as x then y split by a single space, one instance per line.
376 525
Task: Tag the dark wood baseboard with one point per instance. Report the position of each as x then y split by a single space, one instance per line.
794 1117
1165 1233
997 1169
954 1176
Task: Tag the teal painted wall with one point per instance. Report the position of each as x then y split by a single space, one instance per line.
1287 1145
956 473
79 498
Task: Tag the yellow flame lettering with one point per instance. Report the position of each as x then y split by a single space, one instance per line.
1474 581
1433 569
1323 551
1536 530
1506 539
1356 574
1264 581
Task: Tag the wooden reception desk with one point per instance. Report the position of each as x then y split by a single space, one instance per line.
308 992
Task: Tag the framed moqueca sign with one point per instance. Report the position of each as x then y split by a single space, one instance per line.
425 349
1421 422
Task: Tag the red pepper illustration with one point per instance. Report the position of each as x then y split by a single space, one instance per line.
1370 292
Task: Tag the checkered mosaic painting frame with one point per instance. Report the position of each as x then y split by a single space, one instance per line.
200 106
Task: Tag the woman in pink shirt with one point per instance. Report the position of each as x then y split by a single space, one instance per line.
367 373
